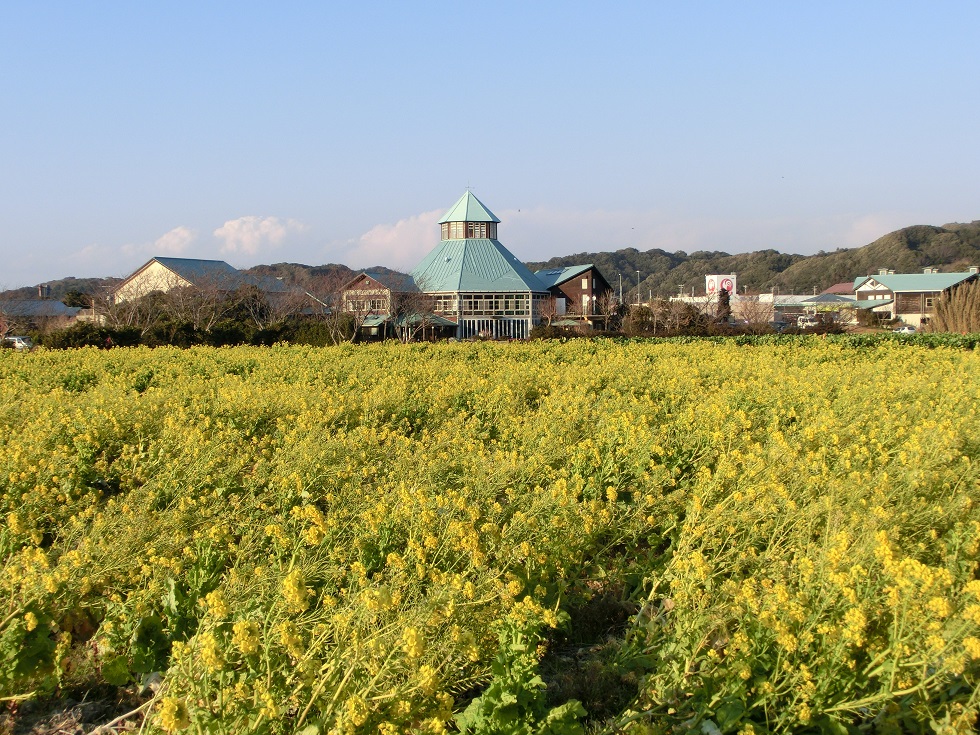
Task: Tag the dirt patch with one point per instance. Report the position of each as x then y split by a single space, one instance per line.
76 713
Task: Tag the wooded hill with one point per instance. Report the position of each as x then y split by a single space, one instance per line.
952 247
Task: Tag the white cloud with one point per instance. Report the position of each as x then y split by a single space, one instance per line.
96 259
174 242
252 233
399 246
870 227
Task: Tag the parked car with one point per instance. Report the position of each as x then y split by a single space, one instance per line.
18 343
806 322
904 329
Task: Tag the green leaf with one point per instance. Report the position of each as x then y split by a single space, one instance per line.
115 671
729 714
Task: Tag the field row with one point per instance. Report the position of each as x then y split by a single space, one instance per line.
762 536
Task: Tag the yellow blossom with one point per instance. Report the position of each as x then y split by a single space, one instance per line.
173 714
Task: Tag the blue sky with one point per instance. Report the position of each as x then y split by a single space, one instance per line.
340 132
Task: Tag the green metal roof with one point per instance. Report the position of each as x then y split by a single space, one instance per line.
916 282
830 298
431 320
476 266
872 303
468 209
553 276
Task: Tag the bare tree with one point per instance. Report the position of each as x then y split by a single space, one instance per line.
202 305
142 310
610 309
327 296
640 321
286 303
412 312
9 321
753 311
548 309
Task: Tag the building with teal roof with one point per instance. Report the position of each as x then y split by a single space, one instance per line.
911 297
475 281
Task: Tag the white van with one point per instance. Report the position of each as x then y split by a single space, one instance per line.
806 321
18 343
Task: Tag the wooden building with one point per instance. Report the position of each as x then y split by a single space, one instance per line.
911 297
581 293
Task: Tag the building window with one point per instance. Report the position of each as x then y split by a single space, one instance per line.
930 302
585 284
445 230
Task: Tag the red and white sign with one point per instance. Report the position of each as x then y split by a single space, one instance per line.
713 284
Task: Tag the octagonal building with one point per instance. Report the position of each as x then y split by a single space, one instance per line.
475 281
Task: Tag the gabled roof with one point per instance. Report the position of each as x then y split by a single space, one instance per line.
474 265
194 270
843 288
401 282
916 282
553 276
468 209
830 298
209 273
35 308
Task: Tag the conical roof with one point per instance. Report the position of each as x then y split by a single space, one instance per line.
474 265
468 209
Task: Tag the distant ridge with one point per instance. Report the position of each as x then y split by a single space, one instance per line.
952 247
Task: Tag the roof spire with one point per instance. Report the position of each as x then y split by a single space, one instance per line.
468 209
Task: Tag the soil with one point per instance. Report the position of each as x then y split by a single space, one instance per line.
75 713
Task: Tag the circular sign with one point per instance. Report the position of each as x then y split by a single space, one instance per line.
727 285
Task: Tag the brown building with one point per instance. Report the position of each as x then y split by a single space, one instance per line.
580 291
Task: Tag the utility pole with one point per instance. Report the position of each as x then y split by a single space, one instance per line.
620 288
637 288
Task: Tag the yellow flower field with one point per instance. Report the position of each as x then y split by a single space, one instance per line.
748 538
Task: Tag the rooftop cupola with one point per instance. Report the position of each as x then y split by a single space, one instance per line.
468 218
